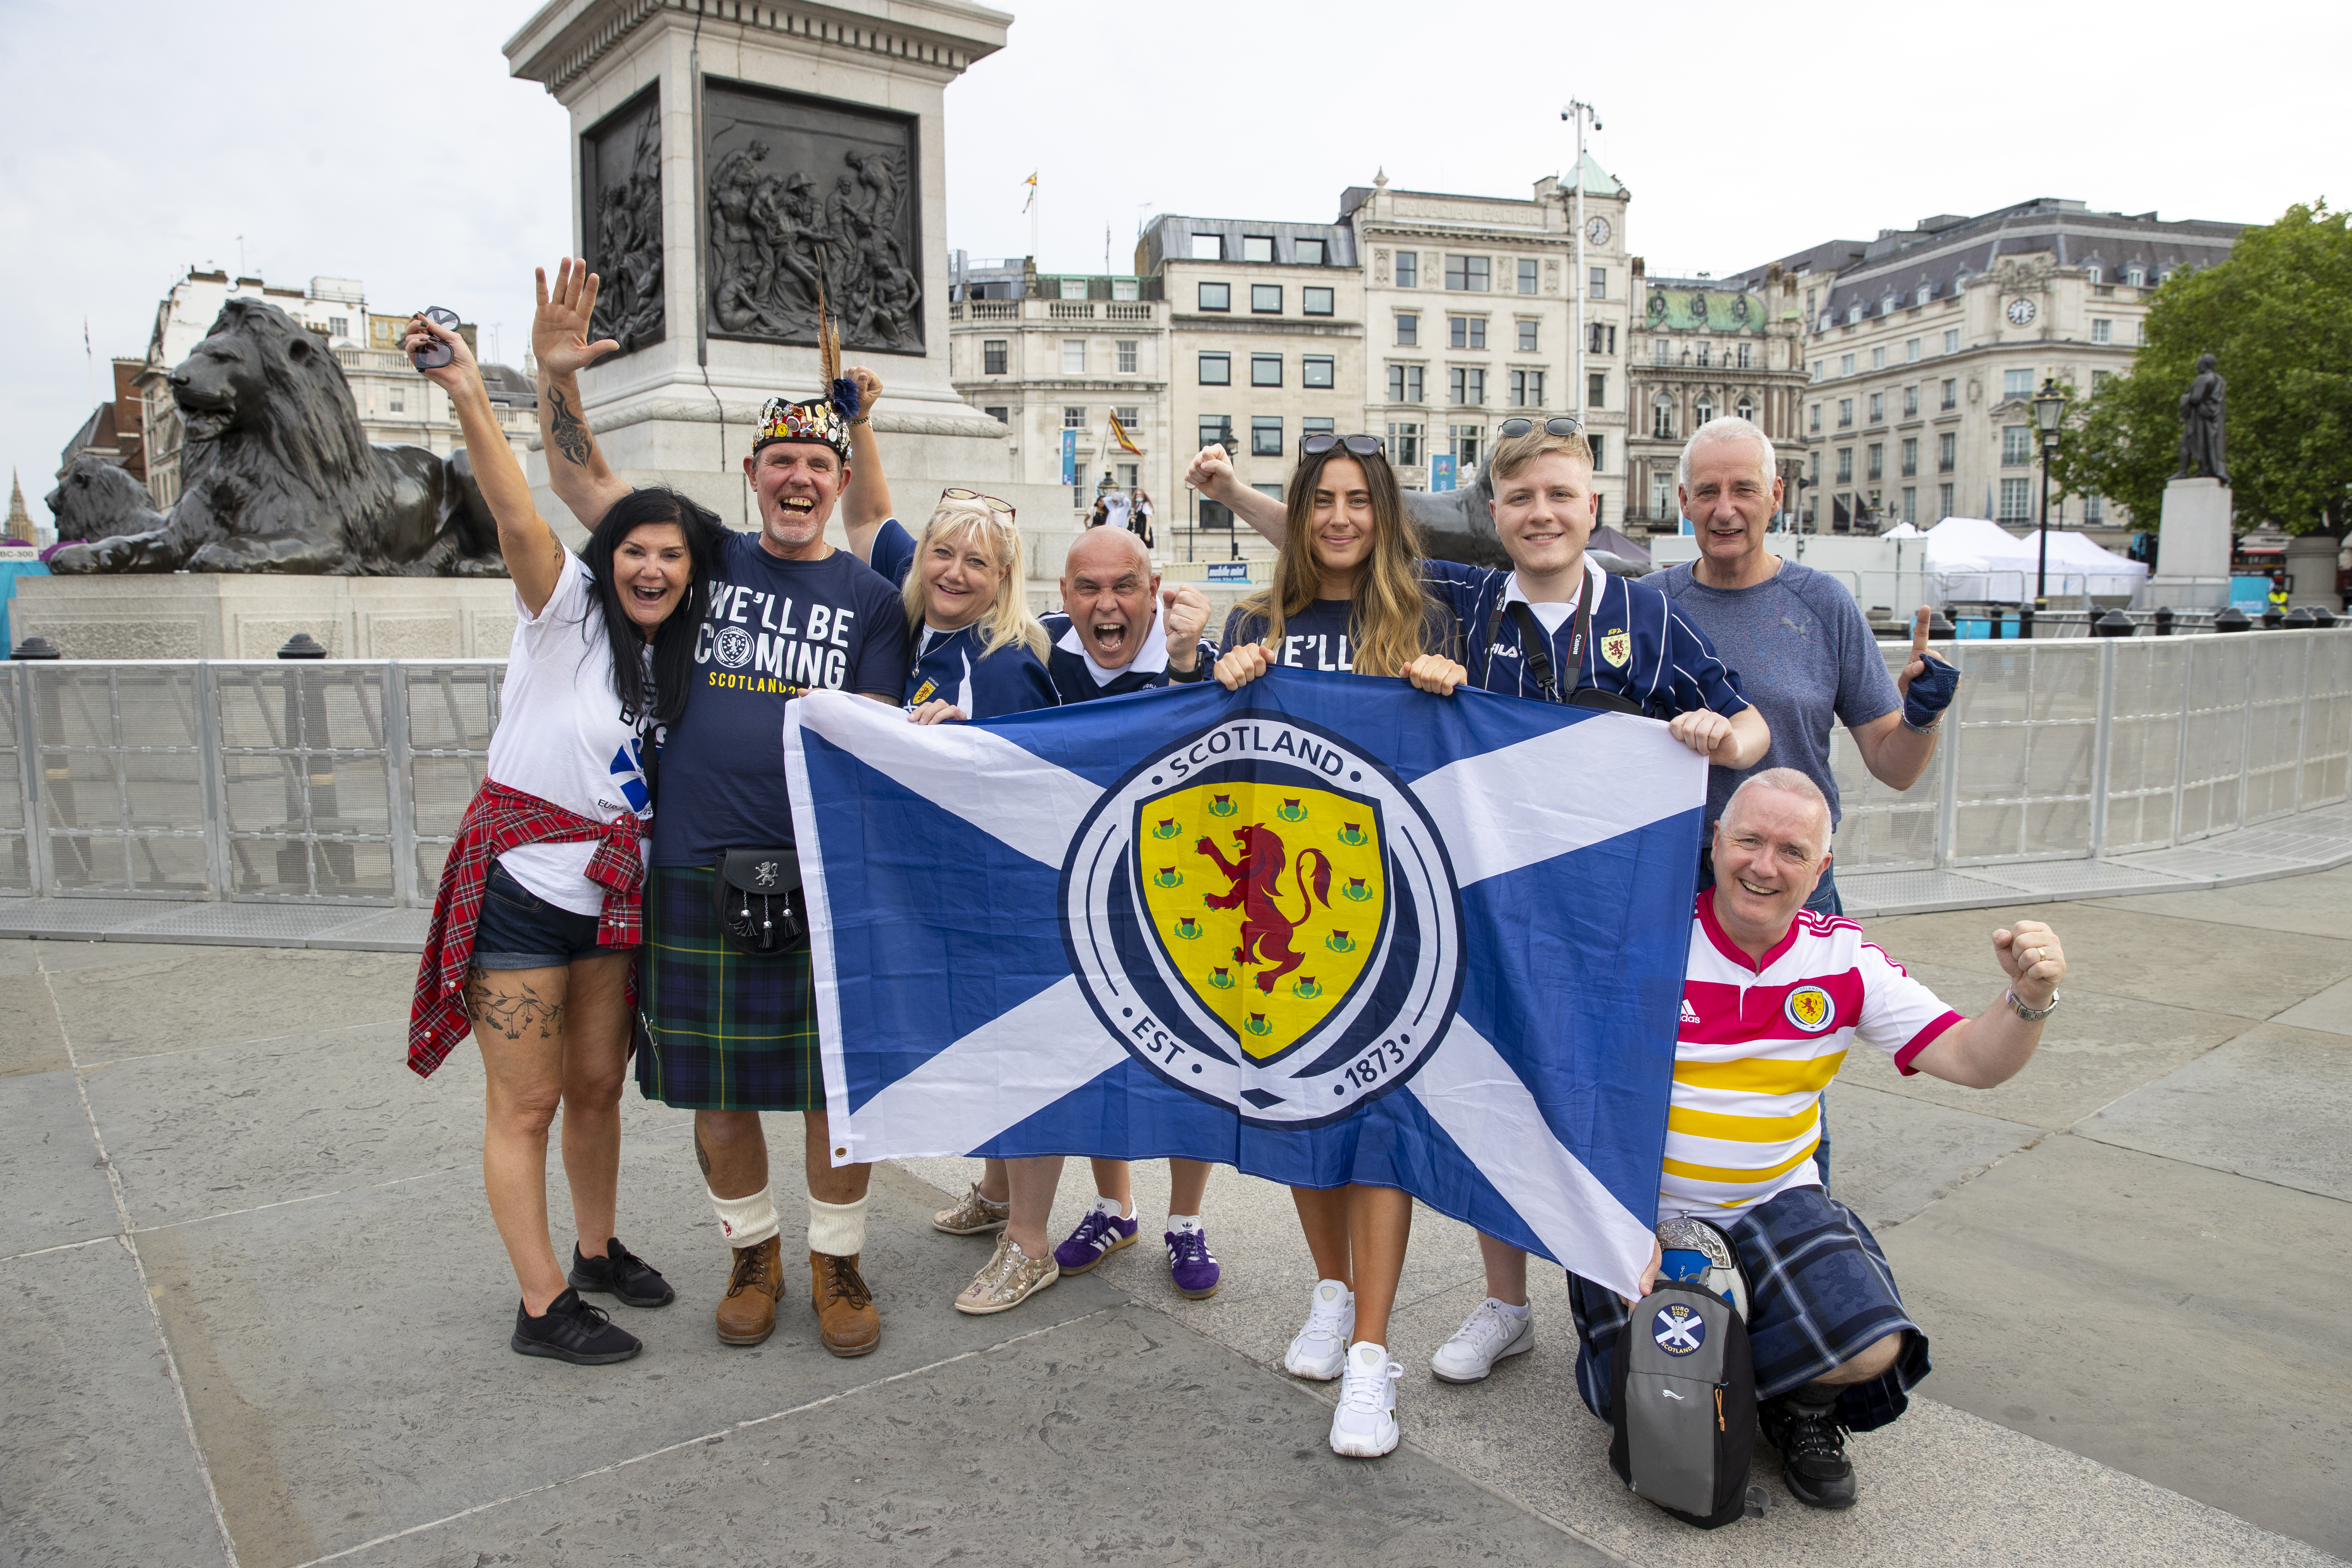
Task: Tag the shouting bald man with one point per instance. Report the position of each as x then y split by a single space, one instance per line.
1774 995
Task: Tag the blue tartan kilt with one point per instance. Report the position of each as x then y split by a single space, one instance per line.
1820 1293
723 1031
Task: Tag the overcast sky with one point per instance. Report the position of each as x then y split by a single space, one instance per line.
389 144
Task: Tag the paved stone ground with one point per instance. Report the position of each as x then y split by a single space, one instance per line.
252 1310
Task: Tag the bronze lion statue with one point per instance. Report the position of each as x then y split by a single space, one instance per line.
98 500
278 476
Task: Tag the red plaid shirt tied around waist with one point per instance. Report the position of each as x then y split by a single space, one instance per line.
500 819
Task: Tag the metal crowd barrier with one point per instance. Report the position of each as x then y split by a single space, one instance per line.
342 782
2069 749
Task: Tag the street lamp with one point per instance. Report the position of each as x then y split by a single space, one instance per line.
2049 411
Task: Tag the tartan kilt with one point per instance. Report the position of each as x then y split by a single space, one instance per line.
723 1031
1820 1293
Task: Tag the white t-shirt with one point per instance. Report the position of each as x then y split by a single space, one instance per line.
1552 615
561 738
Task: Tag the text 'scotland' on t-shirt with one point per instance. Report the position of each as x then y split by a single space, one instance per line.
776 630
1314 639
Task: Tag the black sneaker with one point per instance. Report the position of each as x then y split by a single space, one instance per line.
573 1330
622 1273
1811 1441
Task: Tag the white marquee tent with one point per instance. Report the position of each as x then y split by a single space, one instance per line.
1971 560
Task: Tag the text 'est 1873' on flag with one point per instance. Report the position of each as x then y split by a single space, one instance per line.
1324 928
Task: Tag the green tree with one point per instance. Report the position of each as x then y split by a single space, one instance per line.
2277 317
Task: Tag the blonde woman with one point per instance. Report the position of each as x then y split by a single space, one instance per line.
977 651
1347 596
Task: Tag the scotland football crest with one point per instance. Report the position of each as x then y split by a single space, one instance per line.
1265 918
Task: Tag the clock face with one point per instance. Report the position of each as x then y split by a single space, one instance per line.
1597 231
2021 312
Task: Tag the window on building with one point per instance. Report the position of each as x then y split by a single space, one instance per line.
1877 407
1306 252
1316 426
1265 299
1910 456
1911 504
1705 355
1474 273
1662 351
339 326
2103 331
1813 468
1951 392
1404 384
2095 510
1596 339
1925 292
1811 301
1853 315
2136 276
1404 445
1130 417
1216 296
1745 409
1878 359
1074 419
1596 389
1911 401
1468 385
1467 441
1845 364
1845 466
1943 501
1527 389
1845 413
1526 274
1947 452
1818 365
1596 286
1127 356
1952 340
1265 436
1126 288
2016 383
2139 332
399 400
1001 415
1217 430
1216 370
1876 458
1528 336
1595 442
2016 445
1074 356
1408 269
1662 495
1469 331
1208 247
1215 513
1265 370
1662 418
2100 378
1316 370
1257 247
1318 301
1745 350
1813 421
992 356
2016 501
1408 330
1074 287
1910 350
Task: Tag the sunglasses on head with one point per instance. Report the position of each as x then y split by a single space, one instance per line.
1557 424
1315 446
991 502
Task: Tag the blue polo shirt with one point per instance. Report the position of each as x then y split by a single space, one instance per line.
1641 646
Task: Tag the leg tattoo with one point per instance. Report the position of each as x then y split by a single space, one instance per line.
512 1010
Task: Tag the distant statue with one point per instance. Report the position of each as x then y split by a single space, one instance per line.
2200 423
1459 526
98 500
276 475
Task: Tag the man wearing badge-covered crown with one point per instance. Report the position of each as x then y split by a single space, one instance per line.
731 1033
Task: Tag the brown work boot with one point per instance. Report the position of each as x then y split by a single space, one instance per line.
747 1313
846 1319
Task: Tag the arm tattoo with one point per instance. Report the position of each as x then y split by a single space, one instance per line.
513 1011
567 430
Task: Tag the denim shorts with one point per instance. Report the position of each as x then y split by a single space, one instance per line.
520 930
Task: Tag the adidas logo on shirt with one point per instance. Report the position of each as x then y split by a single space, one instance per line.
1690 1014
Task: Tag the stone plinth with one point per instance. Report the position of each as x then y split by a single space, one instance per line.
720 172
2192 546
2311 571
194 614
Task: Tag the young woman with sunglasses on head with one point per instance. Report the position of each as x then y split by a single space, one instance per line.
536 926
1347 595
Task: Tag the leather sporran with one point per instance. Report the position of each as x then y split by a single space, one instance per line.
757 894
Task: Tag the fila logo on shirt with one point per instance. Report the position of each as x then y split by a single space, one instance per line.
1808 1007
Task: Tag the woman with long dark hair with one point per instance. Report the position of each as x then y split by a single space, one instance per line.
1347 595
536 928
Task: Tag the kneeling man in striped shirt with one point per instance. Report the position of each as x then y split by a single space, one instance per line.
1774 998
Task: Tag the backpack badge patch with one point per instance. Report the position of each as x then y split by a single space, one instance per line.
1678 1329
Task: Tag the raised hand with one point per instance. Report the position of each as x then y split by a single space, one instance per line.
870 388
2030 956
1210 472
1917 664
1188 611
461 374
559 328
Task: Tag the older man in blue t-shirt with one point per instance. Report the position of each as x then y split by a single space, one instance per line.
1804 653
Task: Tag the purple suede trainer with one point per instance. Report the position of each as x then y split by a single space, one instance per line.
1097 1237
1190 1265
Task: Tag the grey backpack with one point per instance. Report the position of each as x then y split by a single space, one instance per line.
1683 1401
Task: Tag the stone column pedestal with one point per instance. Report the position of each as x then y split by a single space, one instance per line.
2192 546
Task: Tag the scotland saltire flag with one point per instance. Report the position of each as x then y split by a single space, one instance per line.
1325 929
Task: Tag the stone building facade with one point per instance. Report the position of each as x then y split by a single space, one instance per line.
1704 347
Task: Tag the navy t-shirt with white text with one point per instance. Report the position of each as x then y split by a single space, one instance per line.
1314 638
775 629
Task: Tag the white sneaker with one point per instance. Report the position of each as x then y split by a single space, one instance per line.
1321 1348
1364 1426
1486 1337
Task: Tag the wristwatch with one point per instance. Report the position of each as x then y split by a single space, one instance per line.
2033 1014
1921 729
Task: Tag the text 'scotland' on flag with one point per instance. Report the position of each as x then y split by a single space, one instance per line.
1325 929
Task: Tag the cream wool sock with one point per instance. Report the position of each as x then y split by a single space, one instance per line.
837 1230
748 1221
